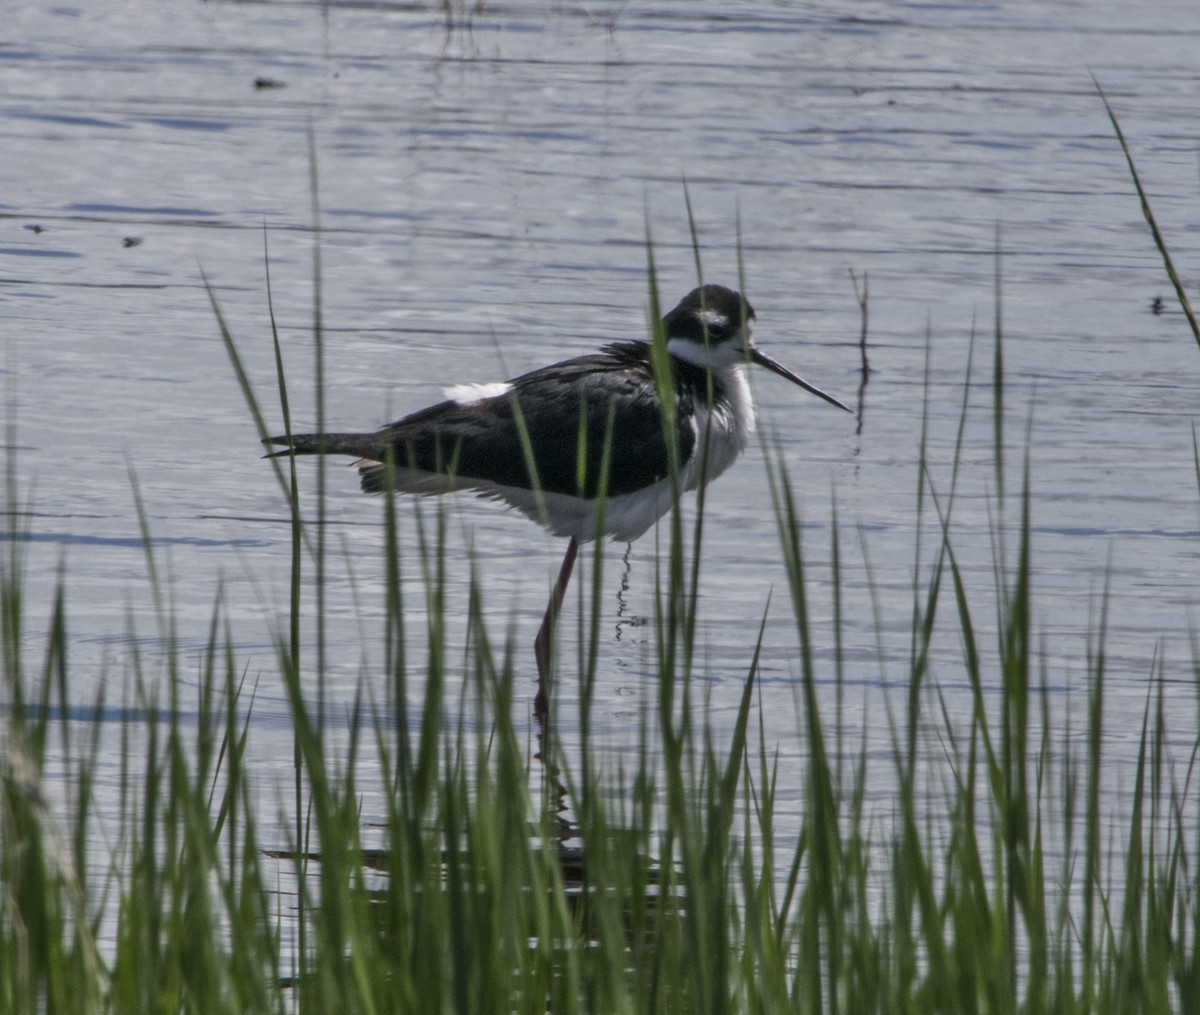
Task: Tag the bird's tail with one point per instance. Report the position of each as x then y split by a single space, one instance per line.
359 445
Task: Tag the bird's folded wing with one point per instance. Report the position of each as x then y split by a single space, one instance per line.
555 423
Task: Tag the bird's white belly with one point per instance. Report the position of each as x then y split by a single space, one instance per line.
626 516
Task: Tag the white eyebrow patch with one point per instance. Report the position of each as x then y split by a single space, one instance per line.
469 394
713 318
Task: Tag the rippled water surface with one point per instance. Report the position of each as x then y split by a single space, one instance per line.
485 193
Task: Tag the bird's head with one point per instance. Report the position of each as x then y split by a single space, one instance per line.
712 327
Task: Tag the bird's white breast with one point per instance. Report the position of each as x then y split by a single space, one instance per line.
722 431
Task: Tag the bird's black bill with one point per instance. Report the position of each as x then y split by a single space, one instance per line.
763 360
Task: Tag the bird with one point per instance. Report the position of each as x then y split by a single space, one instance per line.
598 445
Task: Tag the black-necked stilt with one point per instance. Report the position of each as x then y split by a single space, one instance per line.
581 446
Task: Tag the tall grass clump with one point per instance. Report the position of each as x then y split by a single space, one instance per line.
506 872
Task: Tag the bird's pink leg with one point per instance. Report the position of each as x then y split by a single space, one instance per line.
543 644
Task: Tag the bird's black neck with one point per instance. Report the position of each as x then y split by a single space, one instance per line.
696 383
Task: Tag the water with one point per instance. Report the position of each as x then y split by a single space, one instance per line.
485 194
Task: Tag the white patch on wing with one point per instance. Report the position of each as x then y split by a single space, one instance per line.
469 394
